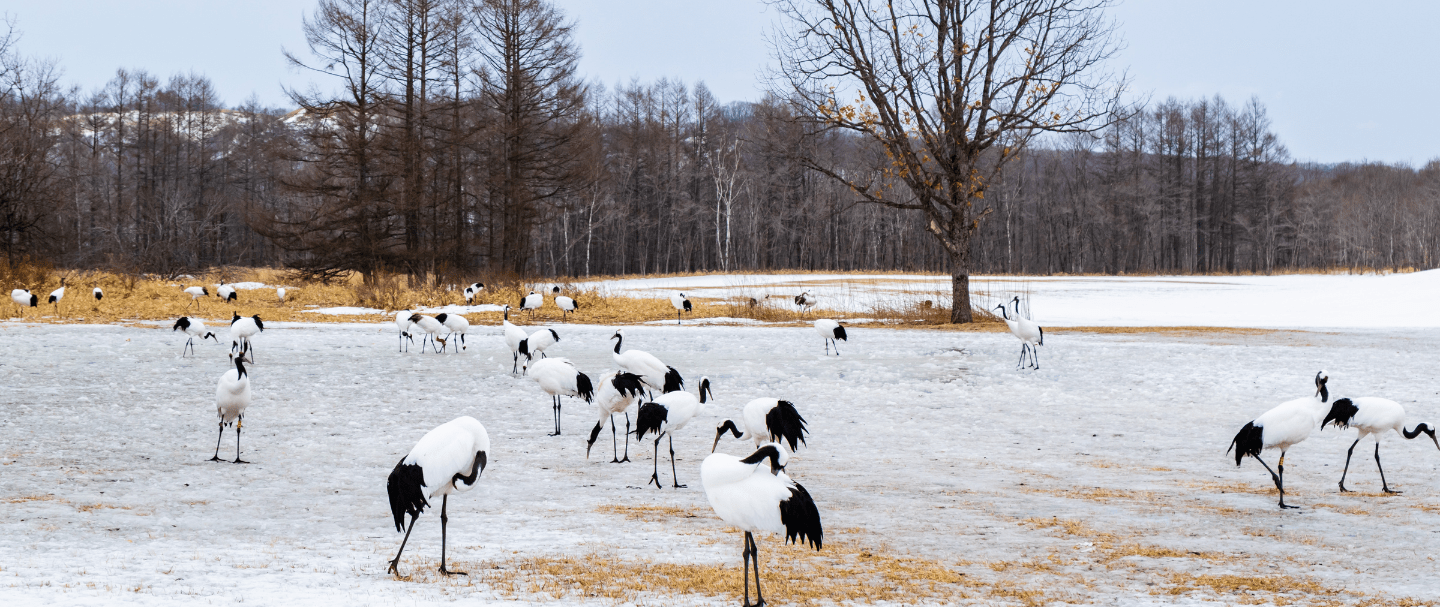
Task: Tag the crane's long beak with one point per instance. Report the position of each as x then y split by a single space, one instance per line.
719 432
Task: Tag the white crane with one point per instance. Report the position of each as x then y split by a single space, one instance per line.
448 459
757 496
655 374
566 305
559 377
25 299
831 331
614 394
532 302
232 397
432 328
536 343
473 290
99 295
1281 428
402 322
681 304
226 293
767 420
1030 335
455 324
664 416
280 293
1372 415
805 301
513 337
241 330
196 293
192 328
57 295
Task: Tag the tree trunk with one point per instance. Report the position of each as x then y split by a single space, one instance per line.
960 293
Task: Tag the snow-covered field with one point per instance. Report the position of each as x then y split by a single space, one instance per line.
1100 479
1290 302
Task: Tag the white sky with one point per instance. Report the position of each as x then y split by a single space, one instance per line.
1340 83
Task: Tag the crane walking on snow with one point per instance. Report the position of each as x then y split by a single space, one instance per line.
663 417
1371 415
1285 426
1031 336
193 328
614 394
232 397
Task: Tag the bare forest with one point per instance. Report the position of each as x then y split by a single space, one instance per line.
457 137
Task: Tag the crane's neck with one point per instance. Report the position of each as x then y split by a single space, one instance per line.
240 366
507 314
619 339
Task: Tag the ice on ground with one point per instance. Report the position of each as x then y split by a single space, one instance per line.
346 311
924 444
457 309
1338 301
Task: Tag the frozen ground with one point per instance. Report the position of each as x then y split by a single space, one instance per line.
1290 302
926 445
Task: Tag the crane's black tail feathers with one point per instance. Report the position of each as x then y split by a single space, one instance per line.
628 384
584 387
649 419
1247 442
840 333
801 518
183 323
1341 412
673 381
407 495
786 425
525 347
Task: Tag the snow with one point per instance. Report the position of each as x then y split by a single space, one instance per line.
925 444
1341 301
455 309
346 311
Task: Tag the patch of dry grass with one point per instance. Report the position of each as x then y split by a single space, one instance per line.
31 498
649 513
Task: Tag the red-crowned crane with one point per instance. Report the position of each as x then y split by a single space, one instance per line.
767 420
1372 415
280 294
241 330
431 327
1031 336
532 302
832 332
1283 427
471 291
681 304
805 301
193 328
226 293
456 325
666 415
513 337
402 322
566 305
657 375
99 295
448 459
196 293
536 343
757 496
25 299
614 394
232 397
559 377
57 295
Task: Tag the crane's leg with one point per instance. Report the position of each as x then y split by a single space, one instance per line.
655 475
401 346
556 408
627 438
217 441
1383 486
395 563
677 322
745 556
755 566
674 478
837 346
239 422
1035 356
1019 364
614 444
1279 479
827 346
515 362
1347 464
444 518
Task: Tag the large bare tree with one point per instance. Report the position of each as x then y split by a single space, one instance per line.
950 90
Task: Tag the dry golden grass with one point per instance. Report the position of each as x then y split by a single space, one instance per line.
31 498
649 513
94 507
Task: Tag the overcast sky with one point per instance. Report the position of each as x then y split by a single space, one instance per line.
1340 83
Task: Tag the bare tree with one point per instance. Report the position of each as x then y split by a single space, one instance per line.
950 90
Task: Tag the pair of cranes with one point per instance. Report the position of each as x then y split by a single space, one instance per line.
432 327
1291 422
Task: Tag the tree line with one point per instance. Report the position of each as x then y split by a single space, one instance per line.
457 137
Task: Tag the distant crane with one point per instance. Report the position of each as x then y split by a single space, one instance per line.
1031 336
805 301
532 302
57 295
471 291
402 322
448 459
241 330
193 328
655 374
226 293
99 295
566 305
536 343
432 328
196 293
559 377
280 293
455 324
514 336
681 304
831 331
25 299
